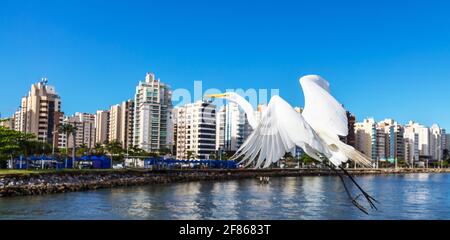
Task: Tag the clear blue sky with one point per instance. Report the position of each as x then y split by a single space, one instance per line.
383 59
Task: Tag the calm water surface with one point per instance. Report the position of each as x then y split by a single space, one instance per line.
410 196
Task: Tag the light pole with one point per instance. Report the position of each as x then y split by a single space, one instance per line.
43 152
53 142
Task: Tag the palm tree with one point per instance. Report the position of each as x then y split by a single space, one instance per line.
114 148
136 151
69 129
99 149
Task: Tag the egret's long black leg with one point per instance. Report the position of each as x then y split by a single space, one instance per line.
369 198
354 200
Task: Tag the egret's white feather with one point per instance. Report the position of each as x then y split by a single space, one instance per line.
281 128
316 130
322 111
329 120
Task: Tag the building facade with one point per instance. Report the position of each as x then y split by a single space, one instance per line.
127 123
121 123
411 137
232 128
40 112
101 126
436 142
152 109
366 137
196 130
394 140
114 123
85 130
350 139
7 123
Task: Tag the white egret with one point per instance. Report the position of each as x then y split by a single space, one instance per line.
316 130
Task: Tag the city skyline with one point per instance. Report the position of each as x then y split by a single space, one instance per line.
218 107
395 67
150 122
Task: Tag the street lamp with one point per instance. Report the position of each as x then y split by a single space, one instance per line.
53 143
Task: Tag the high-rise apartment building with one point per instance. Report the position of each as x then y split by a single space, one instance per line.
424 139
447 141
101 126
196 130
115 123
394 139
7 123
126 123
121 123
436 144
85 130
411 137
40 112
350 139
366 137
232 127
152 109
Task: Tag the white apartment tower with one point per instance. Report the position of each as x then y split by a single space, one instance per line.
196 130
424 138
394 139
152 107
436 142
232 127
411 137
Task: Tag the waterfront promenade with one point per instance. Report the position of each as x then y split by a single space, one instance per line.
24 183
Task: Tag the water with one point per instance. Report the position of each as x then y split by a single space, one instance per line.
410 196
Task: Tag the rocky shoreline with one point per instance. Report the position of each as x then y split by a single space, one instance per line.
61 182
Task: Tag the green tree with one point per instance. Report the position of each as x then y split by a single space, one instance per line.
114 148
14 143
213 156
136 151
69 130
306 159
98 150
164 151
82 150
191 155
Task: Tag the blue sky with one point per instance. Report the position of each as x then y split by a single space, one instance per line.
383 59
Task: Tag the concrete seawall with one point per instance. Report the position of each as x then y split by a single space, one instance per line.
47 183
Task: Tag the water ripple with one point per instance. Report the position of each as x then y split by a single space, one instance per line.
411 196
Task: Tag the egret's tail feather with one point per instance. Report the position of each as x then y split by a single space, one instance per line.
355 155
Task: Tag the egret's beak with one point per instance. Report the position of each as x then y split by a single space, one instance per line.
220 95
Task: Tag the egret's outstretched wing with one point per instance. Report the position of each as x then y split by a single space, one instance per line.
322 111
329 120
281 129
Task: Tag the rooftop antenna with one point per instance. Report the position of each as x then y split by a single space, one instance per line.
44 80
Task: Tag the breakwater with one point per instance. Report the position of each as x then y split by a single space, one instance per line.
70 181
